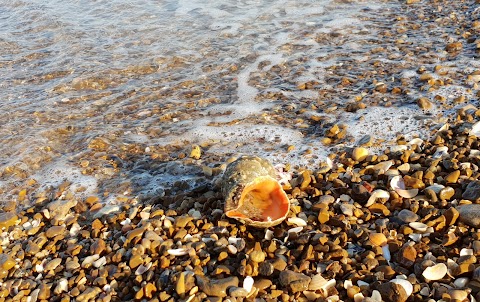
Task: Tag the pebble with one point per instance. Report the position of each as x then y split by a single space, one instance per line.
6 262
446 193
360 153
472 191
424 103
7 219
216 287
407 216
294 281
452 177
407 255
470 214
55 231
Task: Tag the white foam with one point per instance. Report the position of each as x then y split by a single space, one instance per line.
60 171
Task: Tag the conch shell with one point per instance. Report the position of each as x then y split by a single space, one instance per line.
252 193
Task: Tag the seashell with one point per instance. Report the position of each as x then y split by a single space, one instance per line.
407 286
466 252
378 239
440 152
252 193
435 188
398 185
100 262
435 272
418 226
347 284
416 141
358 297
474 152
295 230
475 129
268 234
317 282
142 269
178 252
296 221
458 294
444 127
248 283
398 148
383 166
376 296
415 237
311 296
376 195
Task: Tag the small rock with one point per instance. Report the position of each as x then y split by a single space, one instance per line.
452 177
51 265
359 154
470 214
55 231
7 219
265 269
89 294
392 292
472 191
407 255
294 281
424 103
60 208
216 287
407 216
237 292
196 152
446 193
451 216
6 262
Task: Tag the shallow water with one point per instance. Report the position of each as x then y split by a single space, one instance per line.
108 98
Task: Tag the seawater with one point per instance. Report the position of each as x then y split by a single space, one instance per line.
227 75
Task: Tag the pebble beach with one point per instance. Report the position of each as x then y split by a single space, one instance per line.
111 175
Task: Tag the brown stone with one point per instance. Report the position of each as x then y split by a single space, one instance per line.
452 177
55 231
451 216
392 292
216 287
7 219
407 255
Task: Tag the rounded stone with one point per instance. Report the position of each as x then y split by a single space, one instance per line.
360 153
446 193
407 216
294 281
470 214
7 219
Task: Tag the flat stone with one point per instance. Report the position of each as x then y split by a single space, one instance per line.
98 247
470 214
53 264
451 216
472 191
6 262
55 231
452 177
7 219
216 287
89 294
59 209
237 292
407 216
294 281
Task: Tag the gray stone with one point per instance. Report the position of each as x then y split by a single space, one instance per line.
472 191
470 214
407 216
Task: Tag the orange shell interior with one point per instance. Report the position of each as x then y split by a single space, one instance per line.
262 200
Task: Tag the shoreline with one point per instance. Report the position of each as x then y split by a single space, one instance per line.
52 251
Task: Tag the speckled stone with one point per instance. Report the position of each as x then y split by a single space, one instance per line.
472 191
470 214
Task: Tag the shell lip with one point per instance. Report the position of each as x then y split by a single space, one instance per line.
261 203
